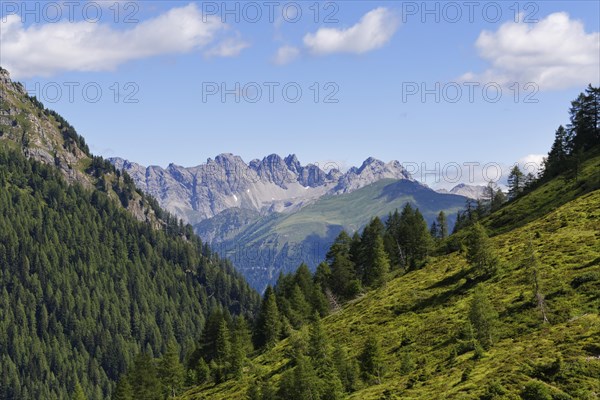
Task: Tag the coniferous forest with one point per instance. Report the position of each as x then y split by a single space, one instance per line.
85 287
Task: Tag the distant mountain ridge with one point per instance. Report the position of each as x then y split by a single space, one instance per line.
273 184
475 192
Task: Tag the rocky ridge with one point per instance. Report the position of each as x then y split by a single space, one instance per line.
273 184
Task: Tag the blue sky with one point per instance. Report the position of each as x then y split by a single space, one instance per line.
370 61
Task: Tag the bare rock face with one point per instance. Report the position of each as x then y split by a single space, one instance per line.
24 122
273 184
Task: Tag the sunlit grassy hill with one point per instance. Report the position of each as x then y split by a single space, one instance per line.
420 315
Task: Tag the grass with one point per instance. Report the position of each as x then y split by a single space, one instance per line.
422 313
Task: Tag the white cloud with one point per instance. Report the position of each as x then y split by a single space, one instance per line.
47 49
229 47
554 53
286 54
373 31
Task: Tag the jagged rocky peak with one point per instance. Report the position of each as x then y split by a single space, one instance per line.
227 160
274 169
371 171
293 164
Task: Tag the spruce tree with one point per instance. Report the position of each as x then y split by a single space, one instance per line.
202 372
556 162
348 369
343 270
483 318
78 393
223 352
515 182
481 253
379 265
144 378
498 200
318 343
268 321
371 359
442 224
123 390
171 371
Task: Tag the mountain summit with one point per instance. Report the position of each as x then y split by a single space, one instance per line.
273 184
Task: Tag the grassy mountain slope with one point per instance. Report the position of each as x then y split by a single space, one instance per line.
282 241
423 312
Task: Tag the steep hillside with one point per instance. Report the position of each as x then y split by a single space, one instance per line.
276 243
87 280
421 318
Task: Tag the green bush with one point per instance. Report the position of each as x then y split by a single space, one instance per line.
536 390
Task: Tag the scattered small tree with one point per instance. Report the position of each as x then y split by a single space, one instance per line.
371 359
532 266
481 253
483 318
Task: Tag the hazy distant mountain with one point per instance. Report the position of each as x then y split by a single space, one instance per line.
462 189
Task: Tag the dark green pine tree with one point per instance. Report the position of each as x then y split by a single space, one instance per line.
557 160
323 275
171 371
318 343
481 253
343 270
208 346
379 267
241 345
144 379
411 235
442 224
434 231
348 368
268 325
371 359
78 393
373 258
515 182
390 240
319 351
300 307
498 200
483 318
584 129
201 372
124 390
223 352
305 382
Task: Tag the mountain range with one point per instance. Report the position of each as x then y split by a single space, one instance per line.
270 215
